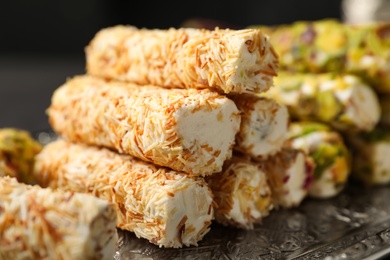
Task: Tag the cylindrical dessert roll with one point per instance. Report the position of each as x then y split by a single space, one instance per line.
342 101
315 46
241 192
17 151
229 61
369 54
39 223
329 45
186 130
264 125
332 159
166 207
370 153
290 175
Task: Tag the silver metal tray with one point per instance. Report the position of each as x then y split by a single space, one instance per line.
353 225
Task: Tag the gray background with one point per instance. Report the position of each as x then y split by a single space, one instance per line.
42 41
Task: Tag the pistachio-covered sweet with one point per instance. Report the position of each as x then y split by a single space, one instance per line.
370 155
369 54
329 45
310 46
342 101
332 159
17 154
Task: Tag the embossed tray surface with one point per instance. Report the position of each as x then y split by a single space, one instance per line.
353 225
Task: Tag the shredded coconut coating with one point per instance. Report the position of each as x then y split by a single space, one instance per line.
290 175
166 207
264 125
37 223
241 192
186 130
229 61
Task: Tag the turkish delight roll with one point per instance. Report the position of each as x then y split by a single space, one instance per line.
166 207
229 61
264 125
17 152
41 223
290 174
370 156
241 193
342 101
327 148
186 130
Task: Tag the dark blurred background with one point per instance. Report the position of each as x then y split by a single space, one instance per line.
42 41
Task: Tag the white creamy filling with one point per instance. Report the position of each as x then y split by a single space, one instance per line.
367 61
248 62
381 163
266 129
236 212
308 89
249 188
294 186
362 104
321 58
107 245
324 187
288 98
110 248
309 141
194 203
100 234
200 127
